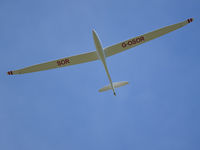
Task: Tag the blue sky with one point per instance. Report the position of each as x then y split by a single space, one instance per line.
61 109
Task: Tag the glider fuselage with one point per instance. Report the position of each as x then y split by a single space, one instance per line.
101 55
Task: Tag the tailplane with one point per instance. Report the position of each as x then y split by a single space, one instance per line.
115 85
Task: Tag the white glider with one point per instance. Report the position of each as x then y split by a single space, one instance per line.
101 53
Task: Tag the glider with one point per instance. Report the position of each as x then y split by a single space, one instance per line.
101 54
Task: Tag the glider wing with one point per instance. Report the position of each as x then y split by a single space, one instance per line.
125 45
68 61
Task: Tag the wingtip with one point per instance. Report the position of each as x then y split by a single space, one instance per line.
190 20
10 73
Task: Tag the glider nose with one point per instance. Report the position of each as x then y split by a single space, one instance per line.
93 30
95 36
94 33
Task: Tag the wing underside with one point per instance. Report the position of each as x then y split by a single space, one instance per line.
125 45
109 51
68 61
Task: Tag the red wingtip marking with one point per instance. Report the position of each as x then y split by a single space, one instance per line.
190 20
10 73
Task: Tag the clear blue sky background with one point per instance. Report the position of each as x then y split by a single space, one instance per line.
61 109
